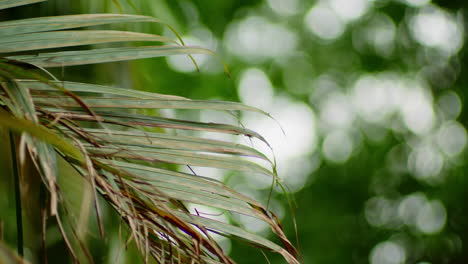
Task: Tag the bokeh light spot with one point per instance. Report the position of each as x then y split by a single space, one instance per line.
417 110
450 105
432 217
434 27
377 96
350 9
336 111
255 88
381 34
298 122
417 3
426 163
409 207
452 138
387 252
282 7
255 39
299 138
324 22
380 212
201 37
337 146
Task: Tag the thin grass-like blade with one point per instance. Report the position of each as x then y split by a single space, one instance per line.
184 187
136 103
151 174
14 3
183 157
38 131
70 58
153 121
181 142
57 39
142 99
22 103
42 24
98 89
223 228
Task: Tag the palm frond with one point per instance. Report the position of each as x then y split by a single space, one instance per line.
82 57
43 24
58 39
127 165
4 4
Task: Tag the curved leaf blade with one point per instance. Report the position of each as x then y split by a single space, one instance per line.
99 89
38 131
182 157
136 103
152 174
58 39
181 142
142 99
227 229
198 193
82 57
128 119
42 24
4 4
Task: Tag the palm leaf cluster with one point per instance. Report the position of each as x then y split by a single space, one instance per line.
98 132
